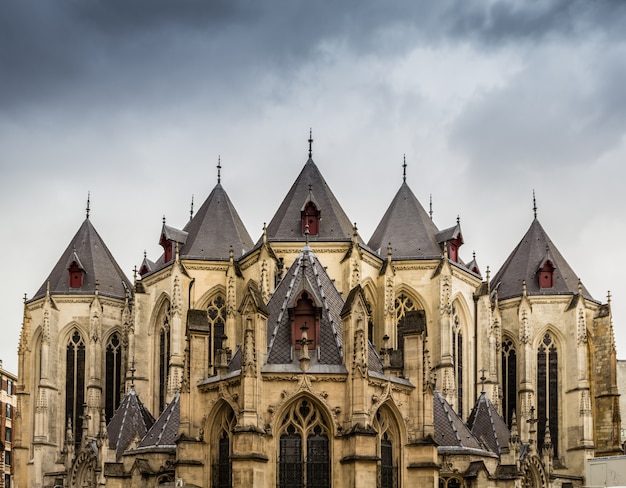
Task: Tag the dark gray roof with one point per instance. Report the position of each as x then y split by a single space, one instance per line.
408 228
524 262
306 273
286 225
174 234
450 431
487 425
164 431
216 228
129 422
450 233
97 263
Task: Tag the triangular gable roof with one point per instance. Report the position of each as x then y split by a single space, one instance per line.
487 425
523 263
95 260
164 431
408 228
215 228
130 421
286 225
306 273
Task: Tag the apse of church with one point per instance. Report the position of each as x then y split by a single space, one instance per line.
313 358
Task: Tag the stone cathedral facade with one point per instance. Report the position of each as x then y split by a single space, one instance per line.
313 358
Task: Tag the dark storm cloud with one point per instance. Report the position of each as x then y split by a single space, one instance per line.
102 49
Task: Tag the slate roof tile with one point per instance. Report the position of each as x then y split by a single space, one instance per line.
129 422
487 425
164 431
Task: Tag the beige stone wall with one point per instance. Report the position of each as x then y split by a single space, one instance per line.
621 386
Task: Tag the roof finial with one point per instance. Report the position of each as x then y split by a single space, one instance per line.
219 169
458 219
404 170
306 234
430 212
88 202
310 143
163 219
191 210
534 204
132 373
482 379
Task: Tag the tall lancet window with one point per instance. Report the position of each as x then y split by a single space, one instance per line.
509 380
113 383
547 391
216 313
304 456
75 384
164 355
222 467
457 358
389 443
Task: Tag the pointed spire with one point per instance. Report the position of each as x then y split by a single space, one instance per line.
219 169
534 205
310 143
191 210
264 232
88 203
404 170
355 234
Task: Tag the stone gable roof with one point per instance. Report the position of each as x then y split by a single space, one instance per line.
97 263
286 225
306 273
214 229
524 262
408 228
130 422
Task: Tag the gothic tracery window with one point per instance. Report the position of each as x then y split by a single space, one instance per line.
164 355
304 457
547 391
509 380
113 384
216 314
75 384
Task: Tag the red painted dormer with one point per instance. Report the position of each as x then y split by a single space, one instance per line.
168 248
453 249
311 217
76 274
305 312
546 274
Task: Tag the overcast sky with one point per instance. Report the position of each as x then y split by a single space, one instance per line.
135 101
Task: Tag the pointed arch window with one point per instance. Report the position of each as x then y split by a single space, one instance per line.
457 358
548 392
164 355
113 382
305 315
509 380
216 314
222 467
389 450
311 218
304 457
75 384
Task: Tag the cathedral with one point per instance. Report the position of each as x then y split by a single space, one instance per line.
313 358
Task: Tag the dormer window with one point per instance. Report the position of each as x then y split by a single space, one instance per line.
305 314
546 275
311 218
76 275
168 248
453 248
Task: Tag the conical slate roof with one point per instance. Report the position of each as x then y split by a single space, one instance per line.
216 228
487 425
164 431
408 228
286 225
524 263
92 255
450 432
129 422
305 274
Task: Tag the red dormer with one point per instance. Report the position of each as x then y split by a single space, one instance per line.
546 274
310 217
305 313
168 248
453 249
76 274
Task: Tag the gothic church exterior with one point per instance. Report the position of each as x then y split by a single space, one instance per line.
312 358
